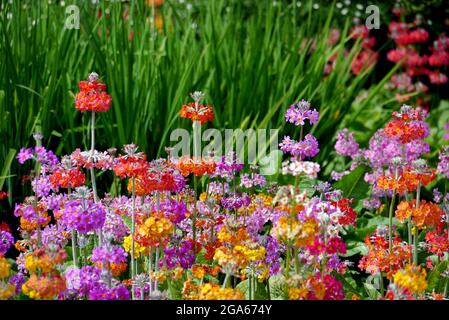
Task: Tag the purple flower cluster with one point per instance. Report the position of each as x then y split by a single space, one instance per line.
80 282
84 220
27 212
346 144
115 227
18 280
44 156
109 254
53 235
103 292
235 201
182 255
227 167
6 240
306 148
443 164
253 180
41 186
301 111
174 210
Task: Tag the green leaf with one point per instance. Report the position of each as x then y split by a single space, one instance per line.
435 280
353 185
260 292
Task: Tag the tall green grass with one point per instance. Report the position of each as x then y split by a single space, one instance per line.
252 58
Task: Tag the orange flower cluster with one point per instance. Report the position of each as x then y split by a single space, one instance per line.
154 230
197 167
130 167
406 181
42 262
379 257
302 234
92 97
209 291
116 269
44 287
426 215
197 112
67 178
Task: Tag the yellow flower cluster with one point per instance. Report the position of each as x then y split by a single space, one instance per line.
139 250
411 278
156 228
209 291
44 262
4 267
289 230
297 293
6 290
257 253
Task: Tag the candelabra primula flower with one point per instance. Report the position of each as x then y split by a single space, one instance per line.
197 112
45 287
6 241
380 259
428 214
407 125
32 216
92 95
291 230
301 111
196 166
297 167
209 291
43 261
155 230
92 159
412 278
437 243
83 216
67 178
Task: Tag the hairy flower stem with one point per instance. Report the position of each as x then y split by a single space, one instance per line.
390 222
133 227
156 268
195 185
150 267
227 280
75 263
415 233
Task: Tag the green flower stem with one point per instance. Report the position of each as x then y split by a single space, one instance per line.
195 185
133 228
390 222
416 234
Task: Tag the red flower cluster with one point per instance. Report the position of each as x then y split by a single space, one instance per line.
438 243
379 257
197 112
428 214
3 195
197 167
349 216
407 125
367 57
67 178
92 96
407 37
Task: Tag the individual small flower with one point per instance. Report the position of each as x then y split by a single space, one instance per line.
301 111
92 96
